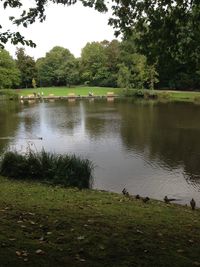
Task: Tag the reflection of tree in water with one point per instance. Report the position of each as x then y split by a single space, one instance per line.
101 119
65 117
8 121
168 133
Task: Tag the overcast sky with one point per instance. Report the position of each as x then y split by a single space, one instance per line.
71 27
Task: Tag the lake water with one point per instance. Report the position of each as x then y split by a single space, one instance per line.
152 149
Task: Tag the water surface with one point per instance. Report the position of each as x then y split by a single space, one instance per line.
148 147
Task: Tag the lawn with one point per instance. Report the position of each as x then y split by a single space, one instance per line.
52 226
188 96
182 95
64 91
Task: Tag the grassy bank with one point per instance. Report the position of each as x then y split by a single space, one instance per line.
6 94
169 95
52 226
64 91
180 95
162 94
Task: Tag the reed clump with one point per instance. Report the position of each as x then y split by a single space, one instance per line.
64 170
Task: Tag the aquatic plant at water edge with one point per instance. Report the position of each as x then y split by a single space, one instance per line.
65 170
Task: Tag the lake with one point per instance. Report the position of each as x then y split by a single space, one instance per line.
151 148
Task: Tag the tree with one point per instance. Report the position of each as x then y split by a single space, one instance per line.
152 76
9 73
27 67
168 32
132 65
93 64
124 77
112 51
37 12
99 63
59 67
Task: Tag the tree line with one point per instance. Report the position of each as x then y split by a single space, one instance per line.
161 45
110 64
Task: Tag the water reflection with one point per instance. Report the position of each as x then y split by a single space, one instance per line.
151 148
9 122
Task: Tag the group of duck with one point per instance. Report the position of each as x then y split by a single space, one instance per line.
166 199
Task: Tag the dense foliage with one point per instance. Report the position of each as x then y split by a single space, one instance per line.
27 68
168 33
109 64
58 67
165 37
9 73
46 167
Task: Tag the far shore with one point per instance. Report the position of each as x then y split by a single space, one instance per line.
102 92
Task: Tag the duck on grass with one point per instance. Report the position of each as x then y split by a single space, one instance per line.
64 170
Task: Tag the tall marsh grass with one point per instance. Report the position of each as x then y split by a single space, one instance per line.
65 170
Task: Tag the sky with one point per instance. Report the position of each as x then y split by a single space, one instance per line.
70 27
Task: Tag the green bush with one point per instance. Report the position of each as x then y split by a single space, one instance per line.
134 93
65 170
139 93
150 94
8 94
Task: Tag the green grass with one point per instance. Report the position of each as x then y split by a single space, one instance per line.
167 95
64 91
92 228
189 96
182 95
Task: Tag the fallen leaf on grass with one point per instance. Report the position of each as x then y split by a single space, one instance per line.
80 237
39 252
32 222
22 253
196 263
180 250
160 234
139 231
91 221
18 253
79 258
30 213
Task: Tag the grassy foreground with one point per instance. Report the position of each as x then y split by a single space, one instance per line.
53 226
